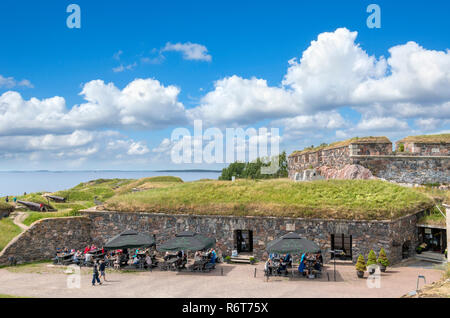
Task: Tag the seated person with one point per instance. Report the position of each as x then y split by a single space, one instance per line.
317 266
167 256
268 266
288 259
197 256
135 260
302 265
75 259
282 267
319 258
87 259
213 256
148 260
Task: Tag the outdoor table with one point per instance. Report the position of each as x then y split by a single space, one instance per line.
64 258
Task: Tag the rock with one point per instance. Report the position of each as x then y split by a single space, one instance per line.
349 172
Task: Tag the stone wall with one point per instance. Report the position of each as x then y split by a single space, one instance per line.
400 167
407 169
40 241
425 149
366 235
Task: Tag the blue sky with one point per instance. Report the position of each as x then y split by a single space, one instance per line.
255 39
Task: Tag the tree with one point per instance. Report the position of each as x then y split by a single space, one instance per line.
372 258
252 170
361 264
382 258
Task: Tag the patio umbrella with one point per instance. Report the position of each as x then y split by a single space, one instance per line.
187 241
292 243
130 239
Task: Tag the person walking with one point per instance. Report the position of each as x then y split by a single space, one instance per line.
6 199
102 269
95 275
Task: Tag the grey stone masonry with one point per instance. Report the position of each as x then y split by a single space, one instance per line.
42 239
366 235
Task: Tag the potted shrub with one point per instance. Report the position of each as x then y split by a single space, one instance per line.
228 259
360 266
371 260
252 260
383 260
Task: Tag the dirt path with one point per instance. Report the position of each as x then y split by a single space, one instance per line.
19 217
46 280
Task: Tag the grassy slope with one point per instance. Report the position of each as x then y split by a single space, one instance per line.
82 196
8 230
439 197
6 206
349 199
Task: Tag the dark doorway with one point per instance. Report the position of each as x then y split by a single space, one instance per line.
243 241
342 242
405 249
435 239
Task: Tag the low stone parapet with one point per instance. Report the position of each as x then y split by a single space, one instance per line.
43 237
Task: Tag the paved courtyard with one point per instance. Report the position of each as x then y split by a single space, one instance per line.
46 280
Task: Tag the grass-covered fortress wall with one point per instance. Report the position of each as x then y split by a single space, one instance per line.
419 159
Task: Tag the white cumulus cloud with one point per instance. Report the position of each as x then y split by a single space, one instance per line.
190 51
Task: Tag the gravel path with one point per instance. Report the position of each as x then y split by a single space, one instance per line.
47 280
19 217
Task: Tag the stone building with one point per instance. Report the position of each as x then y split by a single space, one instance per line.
424 159
246 234
428 145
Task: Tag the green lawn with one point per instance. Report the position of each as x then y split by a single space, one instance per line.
82 196
10 296
343 199
35 216
8 230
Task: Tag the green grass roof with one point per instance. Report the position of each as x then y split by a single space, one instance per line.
338 144
441 138
339 199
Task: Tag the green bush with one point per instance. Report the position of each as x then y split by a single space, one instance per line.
252 170
382 258
372 258
361 264
401 147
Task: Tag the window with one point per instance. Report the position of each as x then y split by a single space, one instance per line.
343 243
243 241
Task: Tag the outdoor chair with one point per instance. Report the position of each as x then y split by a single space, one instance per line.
164 266
210 266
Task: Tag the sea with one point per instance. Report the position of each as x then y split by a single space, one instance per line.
18 182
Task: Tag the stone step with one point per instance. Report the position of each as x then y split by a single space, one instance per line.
241 259
431 257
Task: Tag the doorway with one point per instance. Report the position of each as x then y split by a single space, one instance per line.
342 242
243 241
